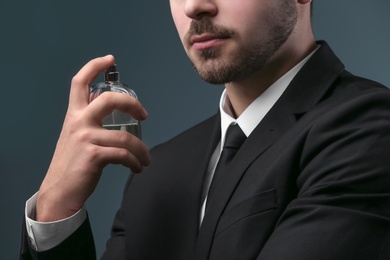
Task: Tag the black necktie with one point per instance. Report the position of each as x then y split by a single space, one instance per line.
233 141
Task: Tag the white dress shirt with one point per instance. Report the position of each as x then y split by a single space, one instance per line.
46 235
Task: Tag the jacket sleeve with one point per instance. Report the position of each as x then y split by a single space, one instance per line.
79 245
116 246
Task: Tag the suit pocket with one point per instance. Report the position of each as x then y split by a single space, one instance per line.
257 204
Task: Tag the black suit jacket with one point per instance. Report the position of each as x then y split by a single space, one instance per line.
311 182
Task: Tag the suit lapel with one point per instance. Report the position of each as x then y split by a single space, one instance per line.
212 140
305 91
210 135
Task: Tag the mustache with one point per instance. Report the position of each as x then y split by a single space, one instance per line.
206 26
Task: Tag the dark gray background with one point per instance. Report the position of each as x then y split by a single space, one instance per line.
43 44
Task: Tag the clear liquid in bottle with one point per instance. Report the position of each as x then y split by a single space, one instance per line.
117 120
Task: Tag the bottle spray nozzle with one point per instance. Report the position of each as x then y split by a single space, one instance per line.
112 74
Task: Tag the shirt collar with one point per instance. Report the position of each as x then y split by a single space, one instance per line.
256 111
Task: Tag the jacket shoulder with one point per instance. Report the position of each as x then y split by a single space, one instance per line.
192 136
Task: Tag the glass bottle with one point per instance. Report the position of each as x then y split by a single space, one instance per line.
117 120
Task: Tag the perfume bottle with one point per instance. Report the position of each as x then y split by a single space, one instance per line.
117 120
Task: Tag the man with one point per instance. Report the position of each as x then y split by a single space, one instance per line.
311 179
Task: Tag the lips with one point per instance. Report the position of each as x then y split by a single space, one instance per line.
206 41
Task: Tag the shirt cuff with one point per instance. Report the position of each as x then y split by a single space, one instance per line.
46 235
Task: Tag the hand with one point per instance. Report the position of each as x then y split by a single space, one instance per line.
84 147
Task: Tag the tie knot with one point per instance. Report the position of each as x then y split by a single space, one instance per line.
235 137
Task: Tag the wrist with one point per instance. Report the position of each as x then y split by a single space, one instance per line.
49 209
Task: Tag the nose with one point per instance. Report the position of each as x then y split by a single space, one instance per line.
197 9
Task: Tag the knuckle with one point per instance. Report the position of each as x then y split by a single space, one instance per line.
76 80
120 156
84 136
94 153
134 102
106 98
124 137
123 154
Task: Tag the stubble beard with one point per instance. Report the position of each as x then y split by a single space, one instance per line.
216 68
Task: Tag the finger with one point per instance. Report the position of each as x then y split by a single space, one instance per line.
79 91
104 104
122 156
124 140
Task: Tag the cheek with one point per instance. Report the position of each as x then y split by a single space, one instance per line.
182 22
250 23
242 16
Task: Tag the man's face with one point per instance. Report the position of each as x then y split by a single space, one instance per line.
228 40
